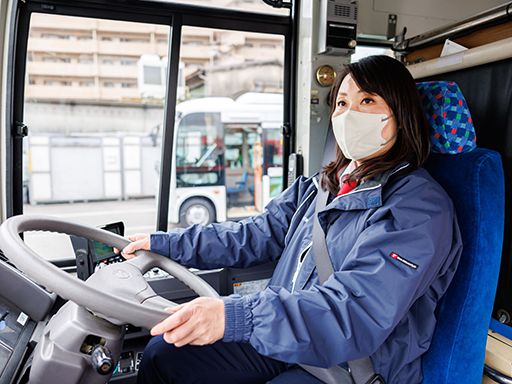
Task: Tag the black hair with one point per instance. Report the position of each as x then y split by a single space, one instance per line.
388 78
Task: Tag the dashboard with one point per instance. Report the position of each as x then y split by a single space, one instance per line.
25 306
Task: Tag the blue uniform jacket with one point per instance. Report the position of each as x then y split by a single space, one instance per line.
394 244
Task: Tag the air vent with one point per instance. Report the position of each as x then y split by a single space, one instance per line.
341 10
355 13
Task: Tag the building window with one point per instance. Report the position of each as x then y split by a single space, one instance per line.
55 36
86 83
57 83
133 40
85 60
54 59
128 62
195 43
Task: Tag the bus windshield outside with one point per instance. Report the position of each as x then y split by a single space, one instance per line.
99 93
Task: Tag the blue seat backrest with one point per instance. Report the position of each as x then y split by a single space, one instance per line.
475 182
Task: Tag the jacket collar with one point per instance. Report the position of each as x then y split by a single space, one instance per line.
364 196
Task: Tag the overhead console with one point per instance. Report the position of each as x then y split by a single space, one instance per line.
481 39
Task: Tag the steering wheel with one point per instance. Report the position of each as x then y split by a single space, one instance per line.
118 292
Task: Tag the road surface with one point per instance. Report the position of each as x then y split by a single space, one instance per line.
138 215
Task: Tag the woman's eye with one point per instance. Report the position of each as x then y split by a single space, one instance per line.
341 103
367 100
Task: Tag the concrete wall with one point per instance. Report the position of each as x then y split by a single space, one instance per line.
85 168
72 118
260 78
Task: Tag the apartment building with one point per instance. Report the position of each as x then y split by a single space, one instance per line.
98 61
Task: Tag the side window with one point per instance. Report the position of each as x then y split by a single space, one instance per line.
94 102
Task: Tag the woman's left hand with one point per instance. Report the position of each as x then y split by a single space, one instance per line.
198 322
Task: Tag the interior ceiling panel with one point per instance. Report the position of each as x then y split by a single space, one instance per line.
418 16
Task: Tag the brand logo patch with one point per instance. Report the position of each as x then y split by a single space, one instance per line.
410 264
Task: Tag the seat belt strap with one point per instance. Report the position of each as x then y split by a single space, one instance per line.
323 263
361 370
363 373
333 375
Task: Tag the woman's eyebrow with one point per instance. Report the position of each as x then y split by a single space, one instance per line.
346 94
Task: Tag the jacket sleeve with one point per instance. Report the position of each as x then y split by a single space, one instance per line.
357 308
253 241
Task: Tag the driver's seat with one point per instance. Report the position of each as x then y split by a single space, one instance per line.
474 180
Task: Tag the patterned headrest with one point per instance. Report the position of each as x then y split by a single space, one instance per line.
451 126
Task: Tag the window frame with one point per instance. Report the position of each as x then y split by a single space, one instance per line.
170 14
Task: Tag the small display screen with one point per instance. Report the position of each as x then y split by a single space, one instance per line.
103 251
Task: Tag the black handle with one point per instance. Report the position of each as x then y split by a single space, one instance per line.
498 377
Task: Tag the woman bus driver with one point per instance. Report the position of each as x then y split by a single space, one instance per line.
392 237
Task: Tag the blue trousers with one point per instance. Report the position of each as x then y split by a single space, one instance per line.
218 363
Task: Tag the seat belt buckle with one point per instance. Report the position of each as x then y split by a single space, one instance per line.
376 379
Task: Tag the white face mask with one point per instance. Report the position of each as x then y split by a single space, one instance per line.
359 134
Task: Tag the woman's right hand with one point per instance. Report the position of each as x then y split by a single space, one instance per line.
139 241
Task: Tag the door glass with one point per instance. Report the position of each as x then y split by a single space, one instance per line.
229 114
199 156
94 104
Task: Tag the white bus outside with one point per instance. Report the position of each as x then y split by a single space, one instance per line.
227 157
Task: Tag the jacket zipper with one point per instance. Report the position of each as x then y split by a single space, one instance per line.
364 189
302 258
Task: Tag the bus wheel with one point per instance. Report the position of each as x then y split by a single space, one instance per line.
197 211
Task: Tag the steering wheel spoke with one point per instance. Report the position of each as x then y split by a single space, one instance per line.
158 302
143 261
